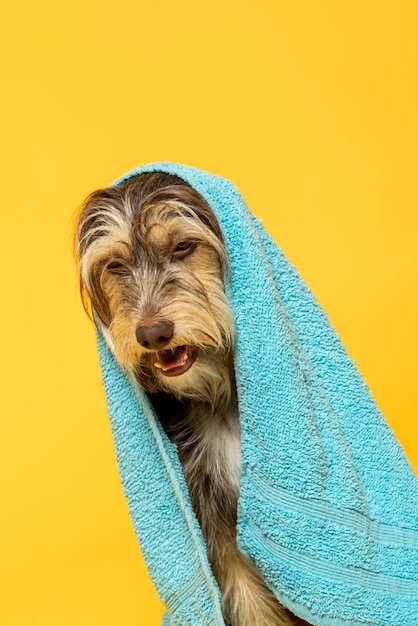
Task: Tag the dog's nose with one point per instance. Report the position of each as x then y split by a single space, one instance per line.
156 336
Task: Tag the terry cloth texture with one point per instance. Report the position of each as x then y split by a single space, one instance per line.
328 507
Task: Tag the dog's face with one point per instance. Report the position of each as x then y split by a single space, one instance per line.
151 262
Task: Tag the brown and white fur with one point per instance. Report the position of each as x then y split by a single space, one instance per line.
152 264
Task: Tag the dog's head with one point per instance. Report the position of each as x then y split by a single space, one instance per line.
152 260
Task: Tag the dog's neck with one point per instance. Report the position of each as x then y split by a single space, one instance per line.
216 403
221 390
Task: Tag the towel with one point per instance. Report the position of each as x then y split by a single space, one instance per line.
328 506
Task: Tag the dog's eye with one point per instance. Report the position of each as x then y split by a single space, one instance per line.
183 248
116 267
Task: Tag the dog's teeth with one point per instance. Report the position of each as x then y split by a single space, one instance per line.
160 366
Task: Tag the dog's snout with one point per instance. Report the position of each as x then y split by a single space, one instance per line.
155 336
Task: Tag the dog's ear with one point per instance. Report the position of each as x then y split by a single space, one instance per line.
93 222
94 300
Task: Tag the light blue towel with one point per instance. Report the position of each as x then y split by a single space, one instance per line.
328 507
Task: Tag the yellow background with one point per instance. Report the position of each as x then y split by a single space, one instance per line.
310 108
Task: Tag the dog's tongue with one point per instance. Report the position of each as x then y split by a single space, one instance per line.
170 359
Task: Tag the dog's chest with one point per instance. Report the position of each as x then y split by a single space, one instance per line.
224 454
209 446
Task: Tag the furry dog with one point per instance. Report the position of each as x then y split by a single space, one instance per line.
152 265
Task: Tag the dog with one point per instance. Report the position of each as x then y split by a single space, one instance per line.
152 264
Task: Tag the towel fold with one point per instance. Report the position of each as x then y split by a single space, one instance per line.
328 507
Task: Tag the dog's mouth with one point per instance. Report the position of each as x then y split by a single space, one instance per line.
176 361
